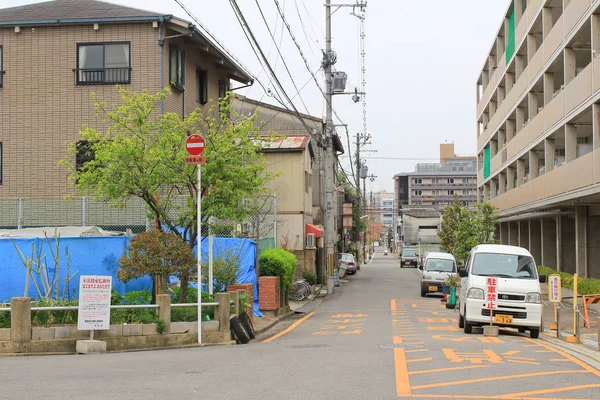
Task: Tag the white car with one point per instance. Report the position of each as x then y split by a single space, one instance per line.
437 268
518 303
348 262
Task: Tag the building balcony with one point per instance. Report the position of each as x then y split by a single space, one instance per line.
573 14
103 76
579 89
554 39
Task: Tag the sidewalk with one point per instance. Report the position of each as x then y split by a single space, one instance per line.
589 336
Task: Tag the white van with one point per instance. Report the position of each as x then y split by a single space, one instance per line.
436 270
519 302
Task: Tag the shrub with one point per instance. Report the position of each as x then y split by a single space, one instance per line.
278 262
584 285
134 315
309 276
190 314
4 316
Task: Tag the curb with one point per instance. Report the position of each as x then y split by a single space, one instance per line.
273 323
584 354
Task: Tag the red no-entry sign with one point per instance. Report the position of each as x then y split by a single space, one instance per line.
194 145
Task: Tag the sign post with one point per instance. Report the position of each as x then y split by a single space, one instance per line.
94 303
554 294
492 297
194 145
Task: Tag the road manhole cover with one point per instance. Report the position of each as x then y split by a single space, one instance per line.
308 346
402 346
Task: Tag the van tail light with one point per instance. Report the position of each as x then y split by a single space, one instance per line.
351 263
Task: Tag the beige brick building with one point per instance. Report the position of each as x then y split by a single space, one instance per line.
54 54
538 105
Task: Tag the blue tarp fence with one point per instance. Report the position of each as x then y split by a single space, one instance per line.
99 256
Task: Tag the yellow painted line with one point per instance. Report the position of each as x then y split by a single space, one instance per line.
544 351
290 328
497 378
583 365
544 391
559 359
450 396
431 371
415 351
420 359
400 365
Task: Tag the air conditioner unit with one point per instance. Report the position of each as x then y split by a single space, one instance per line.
311 242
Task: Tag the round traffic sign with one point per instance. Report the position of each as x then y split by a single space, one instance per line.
194 145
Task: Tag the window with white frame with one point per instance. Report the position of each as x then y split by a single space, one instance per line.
176 67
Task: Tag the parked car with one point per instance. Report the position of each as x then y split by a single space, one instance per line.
408 258
519 302
436 270
348 262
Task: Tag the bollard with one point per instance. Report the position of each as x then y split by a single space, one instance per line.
20 324
164 311
558 321
235 296
223 312
578 332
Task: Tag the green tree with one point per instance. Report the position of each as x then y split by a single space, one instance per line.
140 153
159 254
463 229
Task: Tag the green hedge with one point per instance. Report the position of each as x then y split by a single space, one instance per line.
278 262
584 285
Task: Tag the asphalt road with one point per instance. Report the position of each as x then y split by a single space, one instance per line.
375 338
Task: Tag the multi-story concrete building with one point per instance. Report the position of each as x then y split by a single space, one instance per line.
434 184
538 131
382 204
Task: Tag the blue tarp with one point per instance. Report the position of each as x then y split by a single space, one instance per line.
99 256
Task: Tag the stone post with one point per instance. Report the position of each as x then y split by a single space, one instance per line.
223 312
164 311
20 324
235 296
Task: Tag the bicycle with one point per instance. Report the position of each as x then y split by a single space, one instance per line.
299 290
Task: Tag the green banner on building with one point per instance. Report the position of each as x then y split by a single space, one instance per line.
486 162
510 43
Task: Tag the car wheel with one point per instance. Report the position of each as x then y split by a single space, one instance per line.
461 321
534 333
401 266
522 329
467 328
423 293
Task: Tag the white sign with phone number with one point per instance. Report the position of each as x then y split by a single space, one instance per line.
94 302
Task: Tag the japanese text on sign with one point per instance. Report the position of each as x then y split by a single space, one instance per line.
491 299
94 302
554 288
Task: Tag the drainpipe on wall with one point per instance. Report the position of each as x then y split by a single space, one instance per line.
160 41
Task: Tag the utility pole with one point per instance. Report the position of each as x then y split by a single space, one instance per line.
358 207
329 59
329 226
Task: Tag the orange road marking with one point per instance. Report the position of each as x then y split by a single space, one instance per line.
415 351
400 365
450 396
431 371
559 359
419 359
561 389
290 328
583 365
499 378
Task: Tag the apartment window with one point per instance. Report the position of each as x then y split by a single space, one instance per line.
450 192
1 70
419 180
201 86
176 67
465 192
418 192
450 180
84 153
223 89
465 180
103 63
434 192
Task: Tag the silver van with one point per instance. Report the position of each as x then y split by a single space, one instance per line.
437 268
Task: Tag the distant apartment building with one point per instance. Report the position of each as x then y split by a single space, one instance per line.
382 203
435 184
538 103
421 195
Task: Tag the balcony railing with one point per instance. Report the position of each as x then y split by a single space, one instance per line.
103 76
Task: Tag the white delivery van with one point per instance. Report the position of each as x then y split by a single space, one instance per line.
437 268
519 302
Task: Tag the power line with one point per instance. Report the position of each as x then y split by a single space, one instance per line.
281 56
254 43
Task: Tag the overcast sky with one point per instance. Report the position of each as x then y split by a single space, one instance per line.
423 59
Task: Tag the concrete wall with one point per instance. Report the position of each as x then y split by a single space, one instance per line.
568 244
549 243
535 239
